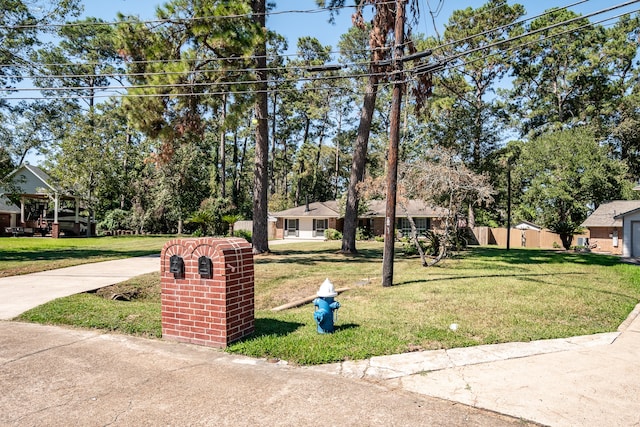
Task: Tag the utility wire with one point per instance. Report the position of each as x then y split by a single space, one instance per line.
249 57
428 67
441 62
450 66
182 20
193 84
504 27
294 67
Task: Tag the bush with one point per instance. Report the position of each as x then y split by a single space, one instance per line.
116 219
409 248
332 234
243 234
363 234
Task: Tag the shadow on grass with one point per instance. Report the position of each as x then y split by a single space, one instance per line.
484 276
311 257
266 327
346 326
62 253
540 256
535 277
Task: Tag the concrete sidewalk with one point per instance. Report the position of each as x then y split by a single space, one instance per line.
581 381
22 293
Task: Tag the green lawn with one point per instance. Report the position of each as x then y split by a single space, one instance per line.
492 294
24 255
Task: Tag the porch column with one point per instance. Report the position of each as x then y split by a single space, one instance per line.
55 228
56 207
76 224
22 223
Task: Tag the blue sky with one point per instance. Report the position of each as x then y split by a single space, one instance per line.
295 25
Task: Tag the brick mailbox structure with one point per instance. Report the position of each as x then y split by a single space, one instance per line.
207 291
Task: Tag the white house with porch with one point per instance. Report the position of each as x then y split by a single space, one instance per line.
31 184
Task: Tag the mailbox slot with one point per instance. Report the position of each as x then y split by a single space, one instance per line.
204 267
176 266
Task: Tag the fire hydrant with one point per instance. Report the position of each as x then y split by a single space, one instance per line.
325 306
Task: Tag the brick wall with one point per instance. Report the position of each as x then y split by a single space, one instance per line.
211 311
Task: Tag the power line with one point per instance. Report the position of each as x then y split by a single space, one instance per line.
294 67
180 20
520 46
429 67
249 58
419 68
193 84
503 27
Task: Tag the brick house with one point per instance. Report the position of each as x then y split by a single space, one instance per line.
614 227
309 221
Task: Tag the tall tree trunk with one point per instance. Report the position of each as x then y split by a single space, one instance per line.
222 150
298 195
316 167
260 238
272 169
392 157
337 173
358 166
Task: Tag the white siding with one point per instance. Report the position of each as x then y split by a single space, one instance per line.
305 230
628 235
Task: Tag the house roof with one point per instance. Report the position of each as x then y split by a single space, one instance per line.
328 209
374 209
526 225
32 180
7 207
415 208
610 214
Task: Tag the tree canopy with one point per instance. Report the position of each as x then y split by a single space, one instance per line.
208 109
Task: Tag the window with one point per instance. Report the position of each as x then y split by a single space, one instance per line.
291 227
404 227
319 225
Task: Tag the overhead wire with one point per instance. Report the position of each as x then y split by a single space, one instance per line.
294 67
252 57
309 79
528 43
528 34
179 20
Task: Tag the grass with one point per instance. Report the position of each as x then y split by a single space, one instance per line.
23 255
493 295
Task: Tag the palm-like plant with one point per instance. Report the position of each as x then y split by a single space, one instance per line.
231 220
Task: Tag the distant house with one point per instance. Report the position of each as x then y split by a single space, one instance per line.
34 189
311 220
8 214
614 227
526 225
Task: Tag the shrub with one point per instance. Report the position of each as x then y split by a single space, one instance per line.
116 219
332 234
409 248
363 234
243 234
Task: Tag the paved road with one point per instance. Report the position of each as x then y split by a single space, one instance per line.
55 376
52 376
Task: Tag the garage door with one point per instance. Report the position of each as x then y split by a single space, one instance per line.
635 239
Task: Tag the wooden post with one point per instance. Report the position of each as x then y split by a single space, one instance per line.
392 157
